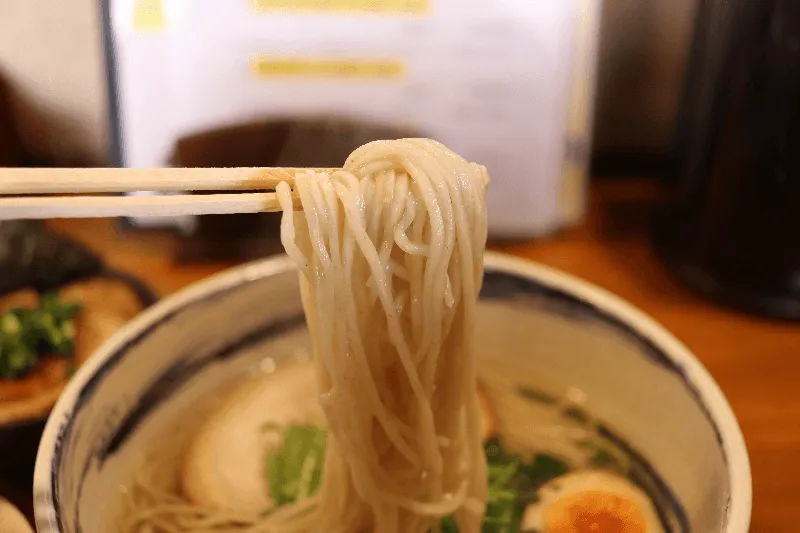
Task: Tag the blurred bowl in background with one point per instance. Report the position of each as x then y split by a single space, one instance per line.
108 300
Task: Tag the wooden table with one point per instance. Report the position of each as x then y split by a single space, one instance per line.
756 361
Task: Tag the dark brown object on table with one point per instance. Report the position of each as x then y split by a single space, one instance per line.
277 143
730 228
12 153
33 256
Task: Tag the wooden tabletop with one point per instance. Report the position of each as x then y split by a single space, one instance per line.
756 361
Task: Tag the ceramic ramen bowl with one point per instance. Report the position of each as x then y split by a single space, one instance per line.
652 395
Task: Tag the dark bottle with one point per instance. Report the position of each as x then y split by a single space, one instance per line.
731 225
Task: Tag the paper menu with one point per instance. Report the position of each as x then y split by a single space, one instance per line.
488 78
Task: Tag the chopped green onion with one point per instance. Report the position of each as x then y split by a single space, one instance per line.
10 324
501 474
27 334
503 511
513 483
536 395
294 469
448 525
294 472
544 468
68 330
577 414
604 459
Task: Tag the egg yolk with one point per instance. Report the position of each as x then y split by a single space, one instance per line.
594 512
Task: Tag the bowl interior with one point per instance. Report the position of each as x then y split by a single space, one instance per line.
174 355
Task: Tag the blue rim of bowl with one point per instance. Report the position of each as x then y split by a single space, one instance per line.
508 276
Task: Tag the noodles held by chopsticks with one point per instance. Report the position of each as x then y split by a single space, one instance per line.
391 255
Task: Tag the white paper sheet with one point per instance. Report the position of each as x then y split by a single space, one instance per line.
488 78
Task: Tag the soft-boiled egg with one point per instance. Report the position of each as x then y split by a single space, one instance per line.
224 466
592 501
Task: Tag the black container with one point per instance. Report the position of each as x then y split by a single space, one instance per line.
731 225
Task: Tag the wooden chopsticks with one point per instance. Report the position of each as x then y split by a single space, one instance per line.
32 183
39 207
114 180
